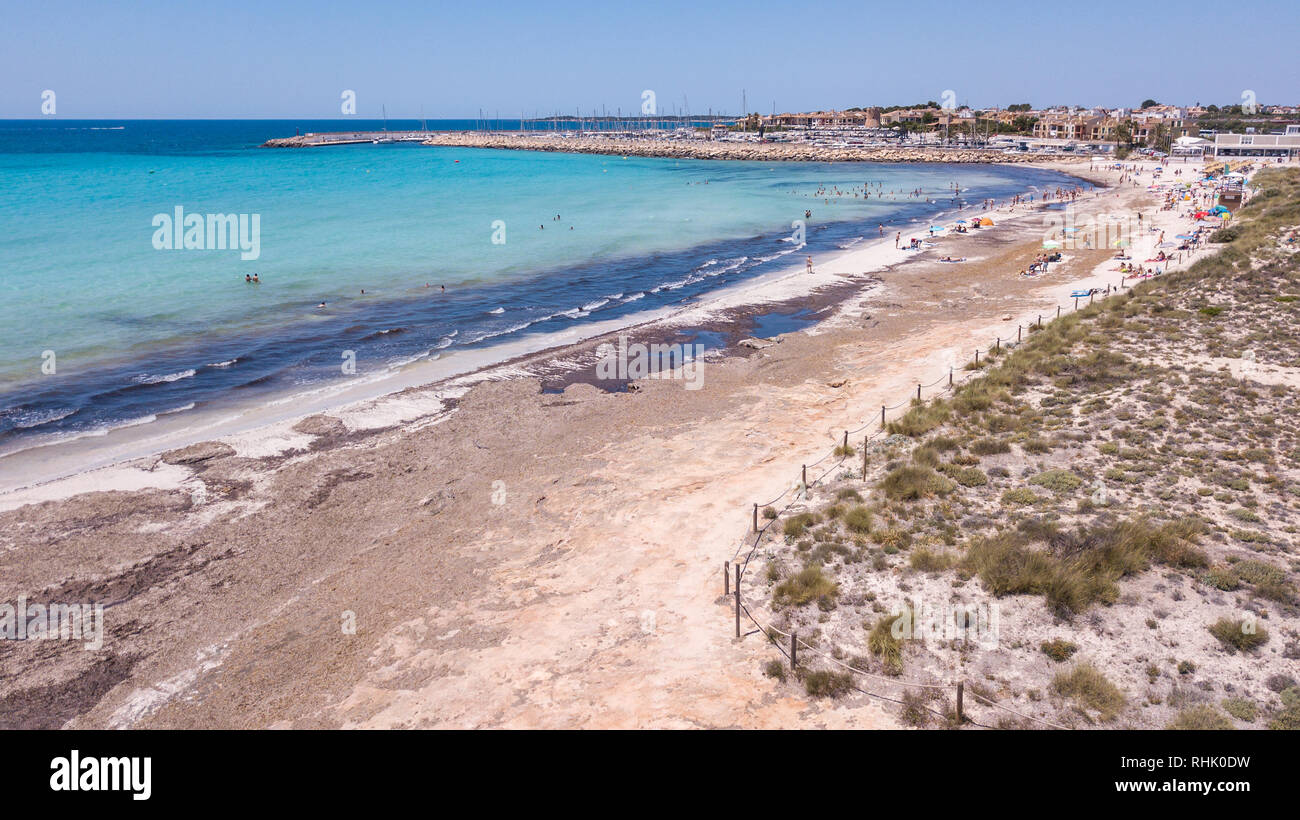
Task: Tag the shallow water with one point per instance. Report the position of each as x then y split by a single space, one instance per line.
134 332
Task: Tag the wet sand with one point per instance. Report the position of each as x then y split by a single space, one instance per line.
512 558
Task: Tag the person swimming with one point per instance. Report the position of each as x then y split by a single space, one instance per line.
248 278
256 281
321 305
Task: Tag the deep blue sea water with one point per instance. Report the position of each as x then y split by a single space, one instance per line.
132 331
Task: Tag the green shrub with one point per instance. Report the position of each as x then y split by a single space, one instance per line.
929 456
1058 649
1236 633
1086 685
1089 562
1020 496
827 684
1200 718
882 643
989 446
858 519
912 482
914 711
796 524
1223 579
810 584
927 560
775 669
920 419
1243 709
1259 572
969 477
1058 481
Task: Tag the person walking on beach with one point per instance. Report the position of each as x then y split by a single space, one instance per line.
898 237
809 264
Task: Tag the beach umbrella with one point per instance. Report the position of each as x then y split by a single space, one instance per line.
1121 243
961 222
1051 243
1184 236
985 221
1165 245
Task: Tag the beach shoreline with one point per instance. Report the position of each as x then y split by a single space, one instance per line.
516 558
70 457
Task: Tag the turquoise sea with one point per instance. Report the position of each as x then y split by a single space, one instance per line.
99 328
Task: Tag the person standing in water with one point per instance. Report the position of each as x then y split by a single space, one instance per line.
809 264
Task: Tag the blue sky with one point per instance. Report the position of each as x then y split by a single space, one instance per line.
148 58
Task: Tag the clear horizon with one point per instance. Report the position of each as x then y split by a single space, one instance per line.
242 60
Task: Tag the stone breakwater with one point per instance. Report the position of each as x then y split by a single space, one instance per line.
704 149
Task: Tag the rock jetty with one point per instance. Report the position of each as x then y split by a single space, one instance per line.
706 149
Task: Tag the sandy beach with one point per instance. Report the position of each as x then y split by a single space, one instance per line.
465 549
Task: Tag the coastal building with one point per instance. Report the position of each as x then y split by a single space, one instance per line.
869 118
902 115
1286 146
1080 128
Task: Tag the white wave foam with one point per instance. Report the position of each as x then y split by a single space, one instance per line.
39 417
145 378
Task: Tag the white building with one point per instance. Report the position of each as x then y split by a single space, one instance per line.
1259 145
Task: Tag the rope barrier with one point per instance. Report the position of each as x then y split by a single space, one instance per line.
977 696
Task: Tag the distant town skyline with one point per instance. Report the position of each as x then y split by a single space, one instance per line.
243 59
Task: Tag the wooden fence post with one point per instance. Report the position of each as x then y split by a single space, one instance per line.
737 600
805 476
755 516
882 417
794 650
846 442
864 458
726 577
918 392
961 713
